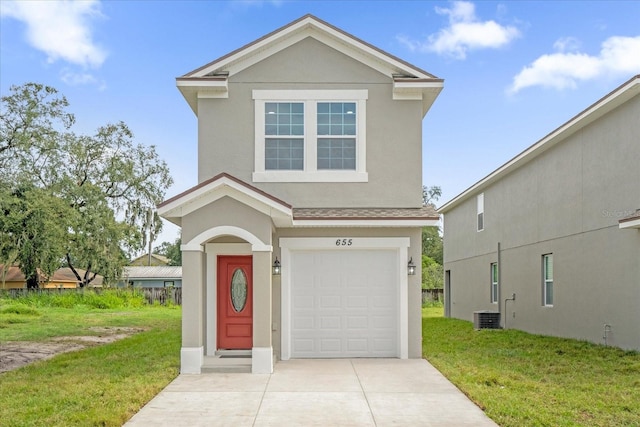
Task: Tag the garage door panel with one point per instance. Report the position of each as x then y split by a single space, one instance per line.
347 304
304 322
357 302
329 302
357 322
302 302
330 322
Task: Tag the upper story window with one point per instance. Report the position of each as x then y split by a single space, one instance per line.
480 201
310 136
284 135
547 279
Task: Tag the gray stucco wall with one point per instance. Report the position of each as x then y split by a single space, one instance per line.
227 212
567 201
394 129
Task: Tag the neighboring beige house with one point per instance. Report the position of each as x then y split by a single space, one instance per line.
62 278
309 163
558 226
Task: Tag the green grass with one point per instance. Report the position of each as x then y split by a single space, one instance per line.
97 386
520 379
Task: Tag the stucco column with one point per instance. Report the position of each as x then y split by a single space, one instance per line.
262 352
191 354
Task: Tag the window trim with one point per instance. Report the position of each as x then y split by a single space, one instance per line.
545 281
494 282
480 212
310 172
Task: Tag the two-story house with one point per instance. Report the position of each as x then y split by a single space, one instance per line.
299 240
558 226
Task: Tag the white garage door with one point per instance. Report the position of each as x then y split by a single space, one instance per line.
344 303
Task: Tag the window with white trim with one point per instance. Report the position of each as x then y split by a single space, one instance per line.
494 282
547 280
480 202
310 136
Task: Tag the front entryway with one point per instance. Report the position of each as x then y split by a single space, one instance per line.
235 302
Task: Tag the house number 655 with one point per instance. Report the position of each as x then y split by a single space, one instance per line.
344 242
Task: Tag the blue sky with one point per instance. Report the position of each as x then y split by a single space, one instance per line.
514 71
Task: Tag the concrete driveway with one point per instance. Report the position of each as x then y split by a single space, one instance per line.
313 392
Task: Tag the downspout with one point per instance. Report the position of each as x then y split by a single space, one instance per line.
513 298
499 292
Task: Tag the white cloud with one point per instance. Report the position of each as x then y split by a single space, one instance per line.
464 33
61 29
567 44
561 70
73 78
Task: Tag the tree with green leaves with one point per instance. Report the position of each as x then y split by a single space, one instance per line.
430 195
107 182
432 274
431 238
32 229
171 251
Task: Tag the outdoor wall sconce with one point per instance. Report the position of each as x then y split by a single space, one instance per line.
276 267
411 268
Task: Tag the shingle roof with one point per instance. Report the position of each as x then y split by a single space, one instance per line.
426 212
152 272
634 216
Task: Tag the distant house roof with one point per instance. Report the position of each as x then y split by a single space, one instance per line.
14 274
617 97
156 259
152 272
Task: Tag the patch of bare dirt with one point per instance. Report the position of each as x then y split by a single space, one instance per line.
15 354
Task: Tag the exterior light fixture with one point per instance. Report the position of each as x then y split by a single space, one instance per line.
276 267
411 268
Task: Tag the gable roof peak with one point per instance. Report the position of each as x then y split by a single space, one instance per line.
211 80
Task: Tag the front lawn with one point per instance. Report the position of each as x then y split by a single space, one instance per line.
98 386
520 379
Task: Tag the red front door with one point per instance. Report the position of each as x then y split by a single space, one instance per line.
235 302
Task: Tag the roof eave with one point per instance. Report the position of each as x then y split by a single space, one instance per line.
614 99
202 87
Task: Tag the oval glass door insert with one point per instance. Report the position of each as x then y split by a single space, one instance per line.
238 290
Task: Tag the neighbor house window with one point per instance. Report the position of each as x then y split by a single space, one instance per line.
480 202
307 136
494 282
547 279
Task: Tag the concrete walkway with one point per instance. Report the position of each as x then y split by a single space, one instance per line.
313 392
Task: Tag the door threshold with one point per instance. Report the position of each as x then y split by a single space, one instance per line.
233 353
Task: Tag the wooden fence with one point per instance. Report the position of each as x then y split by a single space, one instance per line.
432 295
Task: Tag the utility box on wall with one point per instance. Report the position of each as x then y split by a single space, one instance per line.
486 319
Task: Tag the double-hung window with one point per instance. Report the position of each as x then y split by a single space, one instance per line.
547 280
494 282
310 136
284 136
